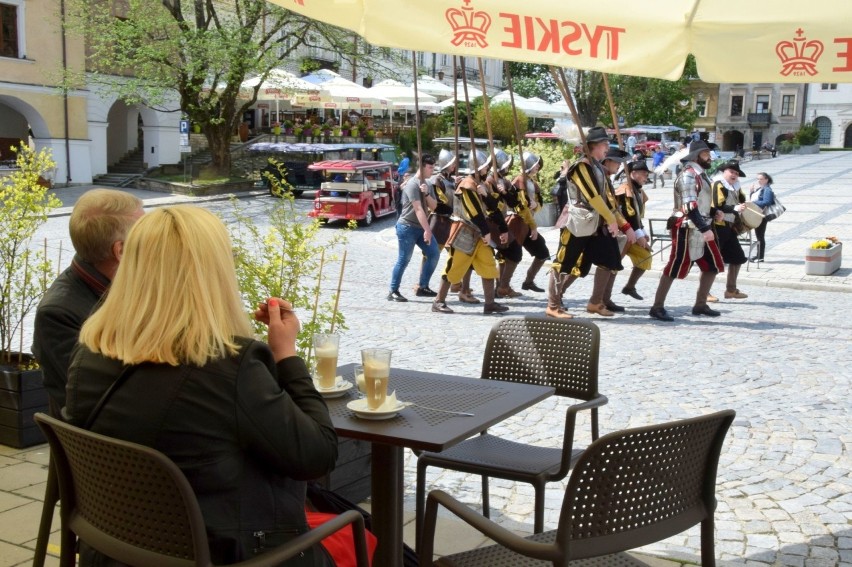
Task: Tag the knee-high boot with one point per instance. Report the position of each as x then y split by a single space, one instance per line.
733 272
732 291
491 306
704 285
630 287
532 272
504 288
663 291
464 291
596 301
443 291
607 298
555 288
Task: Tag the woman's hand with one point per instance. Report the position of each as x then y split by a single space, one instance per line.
283 325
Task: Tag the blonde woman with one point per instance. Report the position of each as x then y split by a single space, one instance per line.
240 417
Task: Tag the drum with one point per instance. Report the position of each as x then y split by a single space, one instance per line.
750 218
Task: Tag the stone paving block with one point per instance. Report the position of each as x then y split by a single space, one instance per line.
21 475
13 555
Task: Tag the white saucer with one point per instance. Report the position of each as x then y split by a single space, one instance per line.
338 390
364 412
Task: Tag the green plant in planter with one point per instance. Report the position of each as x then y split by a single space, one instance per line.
297 131
25 272
337 132
316 131
807 135
355 132
284 260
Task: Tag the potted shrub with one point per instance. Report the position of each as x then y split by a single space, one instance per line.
355 132
26 275
370 135
316 132
297 131
276 128
346 127
337 132
288 127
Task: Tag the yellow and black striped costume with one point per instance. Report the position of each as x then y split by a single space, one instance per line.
601 248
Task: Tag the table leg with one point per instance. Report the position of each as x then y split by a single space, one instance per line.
387 492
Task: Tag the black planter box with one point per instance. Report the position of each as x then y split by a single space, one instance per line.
351 475
21 396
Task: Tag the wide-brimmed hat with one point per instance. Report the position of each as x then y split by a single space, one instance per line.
616 155
596 134
695 148
638 165
731 164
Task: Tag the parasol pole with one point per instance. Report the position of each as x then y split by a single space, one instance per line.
469 123
487 111
337 295
456 114
562 83
612 109
508 72
417 118
316 299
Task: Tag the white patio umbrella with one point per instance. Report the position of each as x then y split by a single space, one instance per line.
432 86
402 96
339 93
278 85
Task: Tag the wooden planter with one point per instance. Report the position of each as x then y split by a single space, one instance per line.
351 475
21 396
823 262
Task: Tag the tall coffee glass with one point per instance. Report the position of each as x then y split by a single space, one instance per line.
325 349
376 362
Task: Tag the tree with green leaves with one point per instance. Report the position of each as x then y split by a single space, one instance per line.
533 80
502 122
198 52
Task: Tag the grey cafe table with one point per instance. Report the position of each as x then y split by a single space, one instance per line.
491 401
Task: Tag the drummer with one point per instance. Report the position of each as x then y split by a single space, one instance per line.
729 198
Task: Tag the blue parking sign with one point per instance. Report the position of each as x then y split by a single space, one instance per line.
184 126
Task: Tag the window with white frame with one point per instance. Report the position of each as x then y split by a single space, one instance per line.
829 86
761 103
445 59
11 26
788 105
701 108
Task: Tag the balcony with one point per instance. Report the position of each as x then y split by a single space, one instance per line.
759 119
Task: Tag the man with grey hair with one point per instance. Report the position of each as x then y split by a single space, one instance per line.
99 223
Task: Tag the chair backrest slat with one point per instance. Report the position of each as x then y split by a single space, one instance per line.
637 486
130 499
559 353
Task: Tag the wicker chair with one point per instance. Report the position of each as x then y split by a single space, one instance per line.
629 488
134 504
559 353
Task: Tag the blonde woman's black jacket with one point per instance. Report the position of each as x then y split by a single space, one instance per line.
245 431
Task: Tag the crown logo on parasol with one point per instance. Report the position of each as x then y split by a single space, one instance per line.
800 55
469 25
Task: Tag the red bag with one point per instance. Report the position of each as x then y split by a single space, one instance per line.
340 545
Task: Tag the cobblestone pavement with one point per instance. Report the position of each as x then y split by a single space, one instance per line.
779 358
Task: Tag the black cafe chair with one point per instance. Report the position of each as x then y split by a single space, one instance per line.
559 353
628 489
133 504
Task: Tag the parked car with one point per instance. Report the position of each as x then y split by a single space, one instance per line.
354 189
297 157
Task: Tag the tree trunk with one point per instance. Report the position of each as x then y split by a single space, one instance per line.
219 140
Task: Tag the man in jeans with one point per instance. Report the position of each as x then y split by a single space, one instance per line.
412 229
